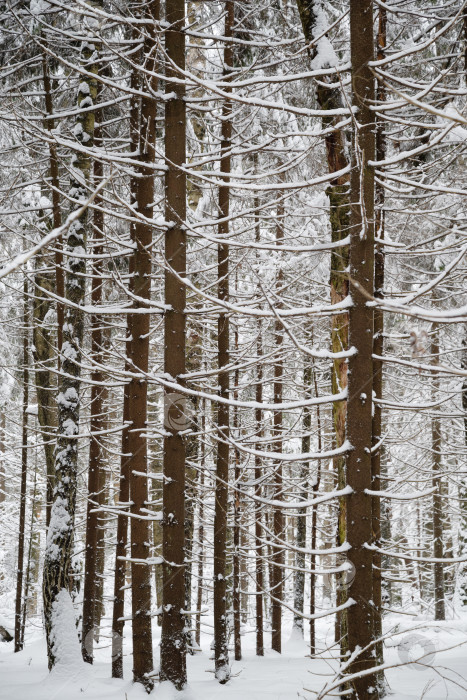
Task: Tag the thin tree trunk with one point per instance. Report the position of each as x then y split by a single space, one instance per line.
359 415
259 608
314 527
237 517
118 621
438 545
19 641
96 426
221 652
278 516
463 486
300 559
2 456
173 641
202 466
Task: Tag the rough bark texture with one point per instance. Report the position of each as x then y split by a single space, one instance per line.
19 641
438 545
258 506
237 519
96 456
221 652
59 548
300 558
140 524
173 642
359 415
55 194
463 488
2 457
339 212
44 360
277 570
122 536
378 348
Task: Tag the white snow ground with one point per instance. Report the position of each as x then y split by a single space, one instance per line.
24 676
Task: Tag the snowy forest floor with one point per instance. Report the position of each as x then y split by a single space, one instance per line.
24 676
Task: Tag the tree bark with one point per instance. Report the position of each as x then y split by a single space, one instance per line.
438 545
277 571
59 548
173 642
221 651
140 524
378 349
359 414
96 425
19 641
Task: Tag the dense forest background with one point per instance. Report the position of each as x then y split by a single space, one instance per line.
233 392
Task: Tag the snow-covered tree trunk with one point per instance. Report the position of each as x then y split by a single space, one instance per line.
59 547
300 557
438 543
19 641
463 489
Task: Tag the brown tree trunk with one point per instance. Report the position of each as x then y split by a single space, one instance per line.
44 380
378 348
140 524
19 641
96 426
300 540
278 517
438 545
202 466
55 186
359 415
2 456
173 642
122 533
237 519
339 211
221 652
57 577
314 529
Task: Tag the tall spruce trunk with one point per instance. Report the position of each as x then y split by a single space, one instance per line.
300 540
173 641
463 486
237 522
44 361
96 456
221 651
59 548
378 349
339 211
360 619
45 382
258 512
277 561
118 610
19 640
438 544
140 521
258 491
2 455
